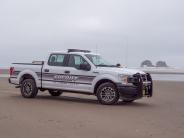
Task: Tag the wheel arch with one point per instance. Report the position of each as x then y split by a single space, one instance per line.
25 76
101 82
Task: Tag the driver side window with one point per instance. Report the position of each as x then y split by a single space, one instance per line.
75 61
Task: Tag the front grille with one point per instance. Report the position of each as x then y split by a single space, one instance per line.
144 77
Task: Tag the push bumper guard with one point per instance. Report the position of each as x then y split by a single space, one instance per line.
142 86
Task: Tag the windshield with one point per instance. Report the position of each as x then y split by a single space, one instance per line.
97 60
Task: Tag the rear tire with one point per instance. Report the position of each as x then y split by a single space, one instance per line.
107 94
55 93
29 89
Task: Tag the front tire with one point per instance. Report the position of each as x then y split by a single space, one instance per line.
55 93
29 89
107 94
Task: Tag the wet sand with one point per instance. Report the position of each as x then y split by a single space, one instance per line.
80 116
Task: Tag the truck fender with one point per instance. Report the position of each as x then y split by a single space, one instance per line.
32 73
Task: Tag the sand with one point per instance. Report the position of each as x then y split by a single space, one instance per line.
80 116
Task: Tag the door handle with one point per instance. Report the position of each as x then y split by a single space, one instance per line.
46 70
67 71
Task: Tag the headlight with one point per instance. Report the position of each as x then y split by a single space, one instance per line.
125 80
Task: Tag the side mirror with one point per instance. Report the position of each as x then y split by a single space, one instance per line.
118 65
85 67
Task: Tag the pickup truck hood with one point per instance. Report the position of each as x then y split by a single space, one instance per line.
124 71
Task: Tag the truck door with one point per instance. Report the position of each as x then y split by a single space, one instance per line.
80 80
53 71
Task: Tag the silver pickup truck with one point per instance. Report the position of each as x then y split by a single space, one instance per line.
81 71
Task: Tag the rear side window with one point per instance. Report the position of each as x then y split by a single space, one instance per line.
56 60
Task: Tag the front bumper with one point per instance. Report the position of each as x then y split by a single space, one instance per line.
141 88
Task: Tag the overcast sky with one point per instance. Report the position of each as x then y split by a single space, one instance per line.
124 31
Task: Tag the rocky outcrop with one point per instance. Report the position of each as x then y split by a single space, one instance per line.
161 64
147 63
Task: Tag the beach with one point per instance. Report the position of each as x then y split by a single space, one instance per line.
81 116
